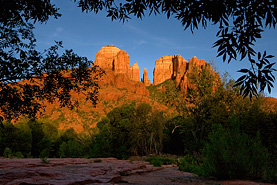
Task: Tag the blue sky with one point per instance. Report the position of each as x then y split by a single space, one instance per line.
144 40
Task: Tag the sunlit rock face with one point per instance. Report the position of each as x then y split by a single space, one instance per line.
106 56
176 68
134 72
117 60
145 78
111 58
163 69
115 63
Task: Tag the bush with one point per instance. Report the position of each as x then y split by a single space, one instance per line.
18 155
231 154
8 153
190 164
159 160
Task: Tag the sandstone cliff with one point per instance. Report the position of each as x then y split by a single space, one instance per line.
106 56
115 63
134 72
176 68
145 78
117 60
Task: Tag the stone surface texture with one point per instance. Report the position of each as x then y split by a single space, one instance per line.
163 69
117 60
145 78
106 56
76 171
69 171
176 68
134 72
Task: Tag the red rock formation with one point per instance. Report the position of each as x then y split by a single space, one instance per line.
180 67
134 72
145 78
112 58
121 63
163 69
176 67
91 171
196 62
105 57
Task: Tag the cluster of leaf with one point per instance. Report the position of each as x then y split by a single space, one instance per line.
260 70
31 138
240 25
47 75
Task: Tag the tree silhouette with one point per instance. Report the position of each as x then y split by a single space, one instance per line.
240 23
46 75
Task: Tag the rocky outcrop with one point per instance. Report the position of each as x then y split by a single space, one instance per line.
106 56
176 68
134 72
117 60
121 63
145 78
163 69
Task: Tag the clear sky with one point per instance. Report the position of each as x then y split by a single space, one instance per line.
144 40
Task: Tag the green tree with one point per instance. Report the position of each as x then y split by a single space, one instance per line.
231 154
17 138
39 142
201 103
129 130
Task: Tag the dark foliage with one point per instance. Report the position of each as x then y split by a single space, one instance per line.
46 75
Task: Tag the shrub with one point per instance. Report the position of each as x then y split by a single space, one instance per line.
160 160
231 154
8 153
18 155
190 164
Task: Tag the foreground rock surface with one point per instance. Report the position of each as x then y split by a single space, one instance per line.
75 171
68 171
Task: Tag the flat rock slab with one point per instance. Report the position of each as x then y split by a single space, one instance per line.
76 171
170 174
69 171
